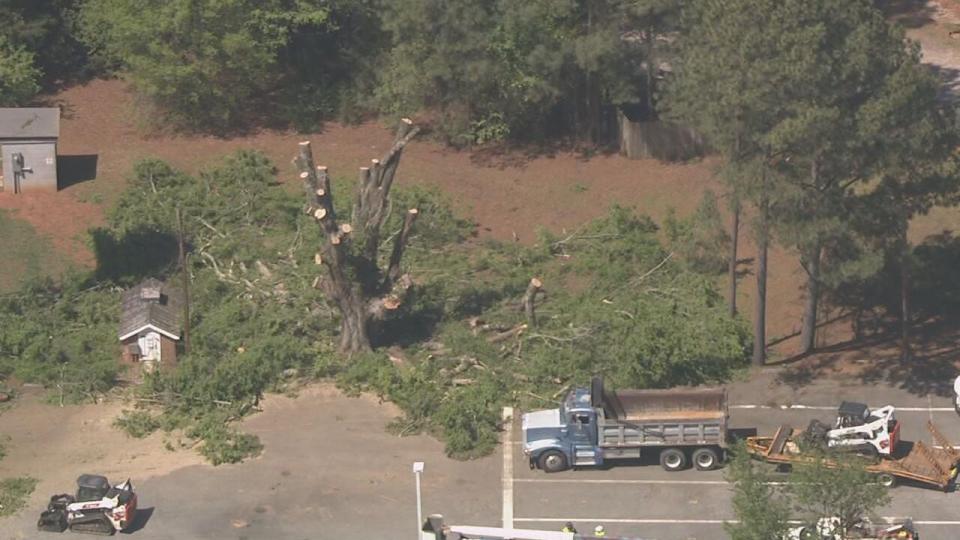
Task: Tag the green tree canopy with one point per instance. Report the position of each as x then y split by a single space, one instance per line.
19 78
218 63
835 486
496 69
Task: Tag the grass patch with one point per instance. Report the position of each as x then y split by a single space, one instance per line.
14 493
26 254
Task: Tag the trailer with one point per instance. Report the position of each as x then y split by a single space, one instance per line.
926 465
593 425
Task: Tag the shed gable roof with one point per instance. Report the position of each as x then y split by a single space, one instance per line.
29 123
139 312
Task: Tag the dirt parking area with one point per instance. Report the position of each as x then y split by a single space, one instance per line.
56 444
330 470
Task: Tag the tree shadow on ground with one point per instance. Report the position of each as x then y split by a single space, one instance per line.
950 90
909 13
877 359
513 155
874 354
137 254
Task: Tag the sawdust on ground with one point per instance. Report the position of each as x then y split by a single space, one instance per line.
57 444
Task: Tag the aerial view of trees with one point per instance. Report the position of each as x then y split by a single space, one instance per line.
831 137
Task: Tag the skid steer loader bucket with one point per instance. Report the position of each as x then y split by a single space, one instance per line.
52 521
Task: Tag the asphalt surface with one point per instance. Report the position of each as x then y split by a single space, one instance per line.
642 500
331 470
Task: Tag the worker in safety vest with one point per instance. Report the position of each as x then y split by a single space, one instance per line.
599 531
568 527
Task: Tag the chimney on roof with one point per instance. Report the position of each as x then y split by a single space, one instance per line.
150 294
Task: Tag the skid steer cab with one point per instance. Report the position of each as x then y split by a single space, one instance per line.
97 508
859 429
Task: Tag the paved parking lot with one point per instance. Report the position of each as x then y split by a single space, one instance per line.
642 500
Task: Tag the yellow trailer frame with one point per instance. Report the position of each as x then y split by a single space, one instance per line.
929 465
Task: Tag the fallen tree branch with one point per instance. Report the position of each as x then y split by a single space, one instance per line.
503 336
206 224
652 270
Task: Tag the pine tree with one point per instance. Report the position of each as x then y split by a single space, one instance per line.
728 63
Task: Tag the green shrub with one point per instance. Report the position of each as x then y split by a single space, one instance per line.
14 493
221 443
137 424
471 421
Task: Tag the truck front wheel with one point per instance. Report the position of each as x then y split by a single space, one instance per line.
552 461
705 459
673 459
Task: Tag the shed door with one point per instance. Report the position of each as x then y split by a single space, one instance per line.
150 346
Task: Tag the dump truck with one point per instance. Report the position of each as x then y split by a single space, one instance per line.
593 426
934 466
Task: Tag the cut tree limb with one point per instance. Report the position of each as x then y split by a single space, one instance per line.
399 245
375 183
529 301
503 336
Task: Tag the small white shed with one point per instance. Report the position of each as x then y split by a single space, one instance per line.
28 149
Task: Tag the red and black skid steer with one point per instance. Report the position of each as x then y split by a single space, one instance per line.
97 508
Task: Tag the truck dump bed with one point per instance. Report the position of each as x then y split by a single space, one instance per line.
917 461
695 404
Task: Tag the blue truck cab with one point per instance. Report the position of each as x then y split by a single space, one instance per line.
592 426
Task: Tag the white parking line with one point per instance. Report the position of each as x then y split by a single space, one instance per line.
646 521
629 482
611 481
699 521
507 479
824 408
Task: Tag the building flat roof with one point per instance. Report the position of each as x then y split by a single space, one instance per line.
29 123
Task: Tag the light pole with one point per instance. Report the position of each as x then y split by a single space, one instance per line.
417 470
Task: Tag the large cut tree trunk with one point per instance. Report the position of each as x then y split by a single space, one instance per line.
732 268
353 280
808 333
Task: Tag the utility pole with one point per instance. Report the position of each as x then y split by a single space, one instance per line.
186 283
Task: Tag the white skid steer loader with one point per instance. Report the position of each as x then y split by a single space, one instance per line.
97 508
858 429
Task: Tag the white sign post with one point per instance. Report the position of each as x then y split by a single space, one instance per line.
417 471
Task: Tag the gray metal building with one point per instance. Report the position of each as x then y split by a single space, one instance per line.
28 149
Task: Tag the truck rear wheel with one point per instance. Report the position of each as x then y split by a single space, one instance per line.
705 459
887 480
673 459
552 461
